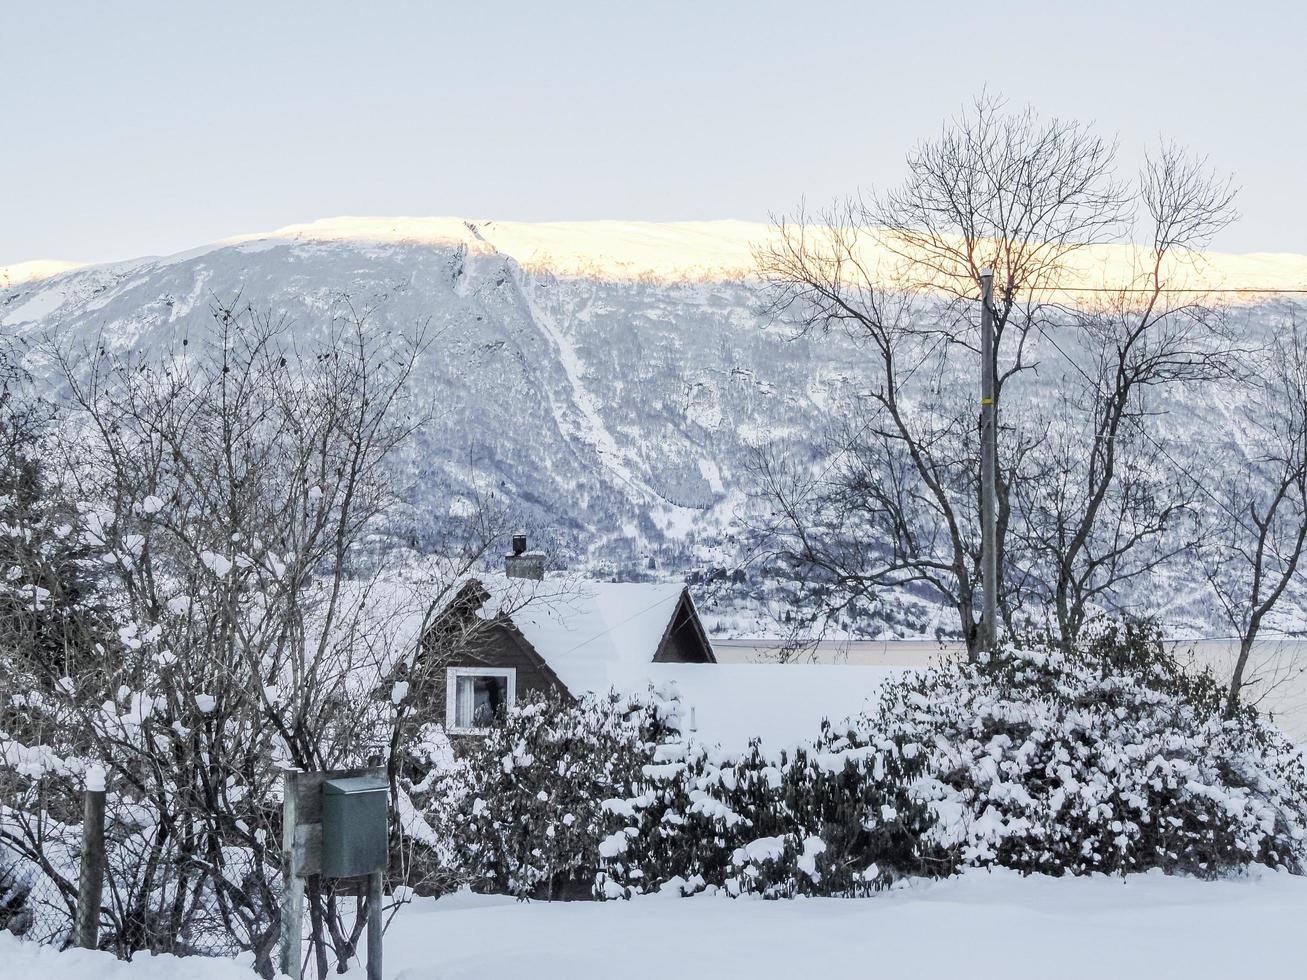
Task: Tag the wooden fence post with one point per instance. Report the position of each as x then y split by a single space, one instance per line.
292 883
90 880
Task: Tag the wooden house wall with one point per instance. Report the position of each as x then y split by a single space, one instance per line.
497 645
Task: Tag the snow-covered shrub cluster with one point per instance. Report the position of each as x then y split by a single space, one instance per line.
1109 758
523 808
836 818
606 795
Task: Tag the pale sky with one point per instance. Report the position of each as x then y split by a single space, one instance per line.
140 128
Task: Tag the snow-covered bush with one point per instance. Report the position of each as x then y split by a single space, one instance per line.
607 794
524 807
233 506
1107 758
832 819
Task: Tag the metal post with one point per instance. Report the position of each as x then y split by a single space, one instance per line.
292 895
90 881
988 465
374 926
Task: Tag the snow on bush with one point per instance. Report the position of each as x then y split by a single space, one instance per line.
834 818
525 809
1109 758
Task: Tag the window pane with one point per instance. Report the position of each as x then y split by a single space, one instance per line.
463 701
491 694
479 700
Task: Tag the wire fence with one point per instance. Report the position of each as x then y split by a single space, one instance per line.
32 907
184 906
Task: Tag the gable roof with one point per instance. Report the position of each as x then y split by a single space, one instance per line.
593 635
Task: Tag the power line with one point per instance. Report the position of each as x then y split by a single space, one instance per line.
1293 634
1171 289
1079 289
1144 432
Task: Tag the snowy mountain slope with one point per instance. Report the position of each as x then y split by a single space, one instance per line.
16 275
597 406
609 379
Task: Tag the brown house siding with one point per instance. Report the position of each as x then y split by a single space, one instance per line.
498 645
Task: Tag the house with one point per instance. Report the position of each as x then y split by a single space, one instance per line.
506 636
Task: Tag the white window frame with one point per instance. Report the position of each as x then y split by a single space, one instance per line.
451 693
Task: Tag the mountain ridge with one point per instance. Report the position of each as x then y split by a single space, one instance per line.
709 250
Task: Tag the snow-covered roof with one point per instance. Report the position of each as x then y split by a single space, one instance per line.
593 635
599 636
782 704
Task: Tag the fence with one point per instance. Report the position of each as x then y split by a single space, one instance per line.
120 891
33 907
77 870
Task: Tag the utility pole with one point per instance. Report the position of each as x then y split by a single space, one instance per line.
988 466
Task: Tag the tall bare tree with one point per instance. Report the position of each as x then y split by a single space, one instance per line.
1253 553
896 505
1101 502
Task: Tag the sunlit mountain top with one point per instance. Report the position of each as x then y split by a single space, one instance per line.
711 250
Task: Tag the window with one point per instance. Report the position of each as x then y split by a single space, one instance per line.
475 697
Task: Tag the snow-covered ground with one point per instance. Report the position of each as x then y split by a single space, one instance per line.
1277 668
983 925
782 704
23 960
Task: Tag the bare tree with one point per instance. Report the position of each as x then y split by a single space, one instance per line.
996 191
1253 552
238 492
1101 500
896 505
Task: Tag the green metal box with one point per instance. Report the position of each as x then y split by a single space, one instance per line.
354 826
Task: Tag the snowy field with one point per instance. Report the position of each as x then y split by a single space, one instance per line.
1277 666
984 925
981 925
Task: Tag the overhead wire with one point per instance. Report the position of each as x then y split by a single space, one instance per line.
1238 519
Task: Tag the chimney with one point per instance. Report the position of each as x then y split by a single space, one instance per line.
521 563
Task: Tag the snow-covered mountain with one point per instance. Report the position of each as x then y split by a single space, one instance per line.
613 406
608 378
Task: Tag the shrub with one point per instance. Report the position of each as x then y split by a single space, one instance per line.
524 806
1109 757
833 819
1106 758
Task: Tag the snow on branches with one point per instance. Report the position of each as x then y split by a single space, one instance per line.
1109 758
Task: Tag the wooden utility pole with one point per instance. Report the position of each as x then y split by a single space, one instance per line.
90 880
375 925
988 466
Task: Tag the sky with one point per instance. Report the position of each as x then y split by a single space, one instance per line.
142 128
